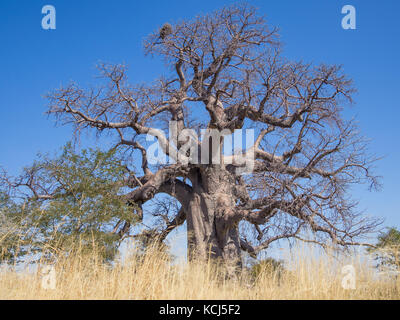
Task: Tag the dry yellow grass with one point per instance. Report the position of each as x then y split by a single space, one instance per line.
84 277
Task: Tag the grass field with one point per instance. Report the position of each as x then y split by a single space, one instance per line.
154 277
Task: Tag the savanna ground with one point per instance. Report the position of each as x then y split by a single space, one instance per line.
153 276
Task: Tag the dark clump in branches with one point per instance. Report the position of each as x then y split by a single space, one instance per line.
165 31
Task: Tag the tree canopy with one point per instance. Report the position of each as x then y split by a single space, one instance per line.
79 204
387 249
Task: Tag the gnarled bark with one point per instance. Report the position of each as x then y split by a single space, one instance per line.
210 211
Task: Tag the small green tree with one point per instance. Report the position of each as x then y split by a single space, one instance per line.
387 251
268 266
8 228
59 204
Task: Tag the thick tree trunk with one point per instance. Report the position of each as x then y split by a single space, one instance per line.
212 231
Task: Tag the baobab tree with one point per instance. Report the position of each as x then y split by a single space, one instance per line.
225 71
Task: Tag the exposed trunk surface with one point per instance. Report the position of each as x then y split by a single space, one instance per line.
212 230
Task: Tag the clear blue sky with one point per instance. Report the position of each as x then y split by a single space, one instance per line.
35 61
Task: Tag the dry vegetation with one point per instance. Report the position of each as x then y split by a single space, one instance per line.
154 277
